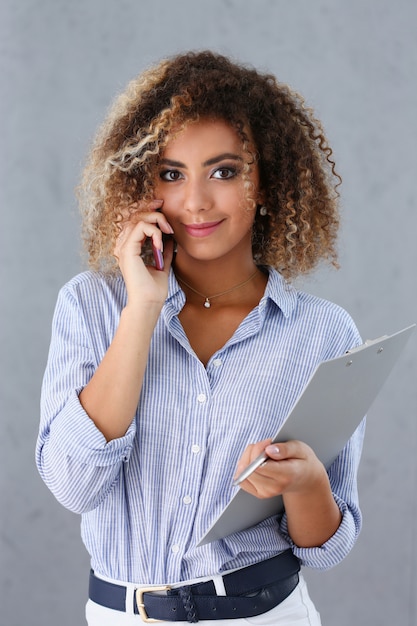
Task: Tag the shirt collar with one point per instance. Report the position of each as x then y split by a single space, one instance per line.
279 291
176 297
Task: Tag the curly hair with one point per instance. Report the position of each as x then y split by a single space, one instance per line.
297 173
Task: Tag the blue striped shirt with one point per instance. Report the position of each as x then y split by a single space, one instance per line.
147 498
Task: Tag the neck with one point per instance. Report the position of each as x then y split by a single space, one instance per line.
213 277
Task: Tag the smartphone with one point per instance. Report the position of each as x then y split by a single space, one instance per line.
158 258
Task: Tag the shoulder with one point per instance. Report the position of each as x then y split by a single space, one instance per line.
94 290
293 301
314 319
329 322
89 283
310 302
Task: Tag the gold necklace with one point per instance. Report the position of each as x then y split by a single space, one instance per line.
207 299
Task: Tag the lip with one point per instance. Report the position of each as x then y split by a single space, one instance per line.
202 229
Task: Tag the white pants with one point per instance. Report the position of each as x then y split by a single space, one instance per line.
296 610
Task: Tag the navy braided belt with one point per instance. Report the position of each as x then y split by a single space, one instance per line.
250 591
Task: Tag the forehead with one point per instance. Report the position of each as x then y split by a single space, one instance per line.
203 134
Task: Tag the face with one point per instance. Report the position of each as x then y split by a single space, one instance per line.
201 184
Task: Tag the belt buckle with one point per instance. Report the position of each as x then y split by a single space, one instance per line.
141 605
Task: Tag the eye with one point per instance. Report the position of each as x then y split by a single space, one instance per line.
170 176
224 173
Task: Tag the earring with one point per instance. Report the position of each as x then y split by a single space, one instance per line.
263 211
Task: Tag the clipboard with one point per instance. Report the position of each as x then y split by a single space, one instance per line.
336 398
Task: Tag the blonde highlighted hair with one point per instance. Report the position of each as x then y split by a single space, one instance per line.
298 180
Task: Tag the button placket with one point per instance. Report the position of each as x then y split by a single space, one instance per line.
195 450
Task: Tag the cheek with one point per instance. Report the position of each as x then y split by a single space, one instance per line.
160 192
171 199
172 212
247 216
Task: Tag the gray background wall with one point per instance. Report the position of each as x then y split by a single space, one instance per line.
61 63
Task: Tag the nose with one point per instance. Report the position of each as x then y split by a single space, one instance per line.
197 197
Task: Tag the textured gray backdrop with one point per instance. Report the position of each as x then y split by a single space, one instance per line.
61 64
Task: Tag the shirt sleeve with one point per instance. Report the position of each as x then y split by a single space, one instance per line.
343 472
72 455
343 481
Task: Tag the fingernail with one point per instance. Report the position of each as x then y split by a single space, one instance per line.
272 450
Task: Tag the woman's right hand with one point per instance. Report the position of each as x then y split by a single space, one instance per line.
111 396
144 284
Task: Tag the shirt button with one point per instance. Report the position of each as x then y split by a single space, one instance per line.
175 549
187 499
201 398
195 449
217 362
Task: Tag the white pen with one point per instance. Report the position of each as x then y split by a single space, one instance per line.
250 469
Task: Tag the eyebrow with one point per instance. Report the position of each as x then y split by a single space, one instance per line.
222 157
212 161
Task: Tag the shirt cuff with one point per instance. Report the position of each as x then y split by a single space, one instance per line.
76 435
335 549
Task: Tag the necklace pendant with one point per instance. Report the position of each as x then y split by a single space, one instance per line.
207 303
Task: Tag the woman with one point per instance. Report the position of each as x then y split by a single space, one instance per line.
209 186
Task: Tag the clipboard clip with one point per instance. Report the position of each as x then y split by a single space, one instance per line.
366 344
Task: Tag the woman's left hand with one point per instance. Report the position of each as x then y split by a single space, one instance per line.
293 471
292 467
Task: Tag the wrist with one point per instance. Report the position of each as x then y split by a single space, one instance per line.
317 485
141 313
